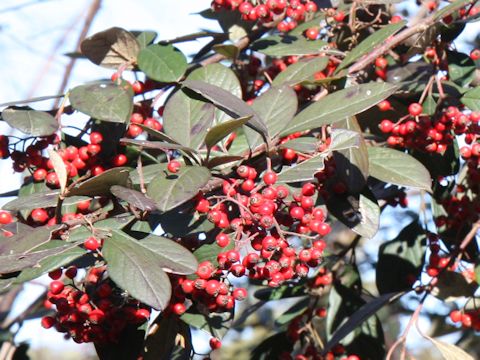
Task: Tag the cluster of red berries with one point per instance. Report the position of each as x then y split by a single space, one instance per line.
92 310
293 11
429 133
143 116
255 212
468 319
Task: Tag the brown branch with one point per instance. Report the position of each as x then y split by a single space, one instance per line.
396 40
92 11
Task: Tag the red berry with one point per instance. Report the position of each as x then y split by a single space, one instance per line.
270 178
384 105
381 62
179 308
222 240
386 126
312 33
40 216
119 160
5 217
239 294
215 343
415 109
91 243
173 166
48 322
55 274
95 138
40 174
56 287
475 54
456 316
297 212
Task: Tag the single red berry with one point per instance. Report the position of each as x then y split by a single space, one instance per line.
222 240
134 130
179 308
173 166
270 178
119 160
40 216
384 105
91 243
475 54
71 272
381 62
47 322
312 33
415 109
297 212
215 343
40 174
5 217
56 287
456 316
95 138
239 294
55 274
137 87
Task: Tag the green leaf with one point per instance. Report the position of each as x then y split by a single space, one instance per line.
339 105
368 44
451 8
429 105
171 190
221 76
461 68
300 71
296 310
400 261
216 324
148 172
229 51
342 139
281 292
471 99
26 241
209 252
360 213
306 145
186 119
276 107
145 38
159 145
52 262
359 317
280 46
303 171
221 131
180 224
352 166
104 101
450 351
40 200
231 22
398 168
17 262
111 48
30 122
101 184
163 63
219 161
229 103
166 332
134 198
138 266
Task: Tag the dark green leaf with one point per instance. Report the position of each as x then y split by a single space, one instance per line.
452 286
229 51
148 172
360 213
52 262
128 346
306 145
138 266
30 122
104 101
160 145
221 131
300 71
17 262
26 241
281 292
368 44
221 76
186 119
169 191
352 162
111 48
461 68
272 347
398 168
296 310
134 198
167 332
342 139
359 317
429 105
471 99
229 103
400 261
216 324
101 184
222 160
209 252
303 171
280 46
339 105
276 107
162 63
40 200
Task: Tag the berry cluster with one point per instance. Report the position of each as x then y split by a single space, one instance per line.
92 310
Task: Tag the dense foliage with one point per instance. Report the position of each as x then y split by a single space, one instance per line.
258 172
